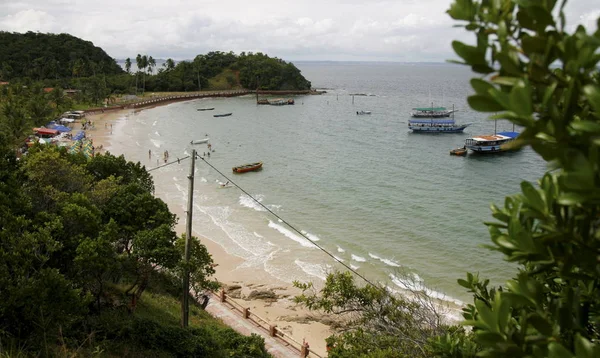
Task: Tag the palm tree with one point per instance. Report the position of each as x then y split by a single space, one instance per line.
151 64
144 65
170 64
128 65
138 62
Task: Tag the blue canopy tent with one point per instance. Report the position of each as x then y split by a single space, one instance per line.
80 135
58 127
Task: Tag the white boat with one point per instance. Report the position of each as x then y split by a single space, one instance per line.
432 112
436 125
493 143
363 112
199 141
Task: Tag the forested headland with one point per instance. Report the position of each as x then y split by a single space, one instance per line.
90 264
67 62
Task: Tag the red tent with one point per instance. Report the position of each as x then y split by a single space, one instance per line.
45 131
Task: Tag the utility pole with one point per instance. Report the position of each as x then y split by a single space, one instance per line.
185 303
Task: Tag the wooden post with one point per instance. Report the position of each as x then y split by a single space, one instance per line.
246 312
273 330
222 295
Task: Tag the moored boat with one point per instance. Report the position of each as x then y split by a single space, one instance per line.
458 151
493 143
434 125
222 115
206 109
247 167
363 112
432 112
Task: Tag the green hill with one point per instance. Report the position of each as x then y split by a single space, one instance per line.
42 56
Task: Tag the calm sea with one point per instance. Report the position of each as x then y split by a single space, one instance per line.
378 197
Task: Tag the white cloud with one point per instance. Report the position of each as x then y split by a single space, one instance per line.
403 30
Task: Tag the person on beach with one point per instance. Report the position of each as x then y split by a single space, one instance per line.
149 153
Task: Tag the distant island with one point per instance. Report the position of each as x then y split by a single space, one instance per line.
65 61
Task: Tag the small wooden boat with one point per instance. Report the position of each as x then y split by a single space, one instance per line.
222 115
247 167
206 109
459 151
199 141
363 112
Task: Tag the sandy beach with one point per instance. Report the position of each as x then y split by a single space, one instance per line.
240 283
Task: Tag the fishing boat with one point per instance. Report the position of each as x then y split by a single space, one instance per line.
493 143
222 115
459 151
363 112
247 167
199 141
206 109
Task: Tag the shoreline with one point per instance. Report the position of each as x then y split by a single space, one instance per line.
240 283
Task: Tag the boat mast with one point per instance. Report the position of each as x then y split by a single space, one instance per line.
495 122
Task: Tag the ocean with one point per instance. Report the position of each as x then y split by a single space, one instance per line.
387 202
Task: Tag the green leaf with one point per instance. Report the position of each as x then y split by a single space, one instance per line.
548 93
462 10
486 316
509 65
489 338
464 283
484 104
472 55
534 198
556 350
592 93
480 86
583 347
533 44
505 81
586 126
520 99
540 324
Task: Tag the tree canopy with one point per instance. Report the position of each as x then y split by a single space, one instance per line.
51 56
81 241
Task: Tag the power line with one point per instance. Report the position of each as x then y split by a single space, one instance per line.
179 160
291 226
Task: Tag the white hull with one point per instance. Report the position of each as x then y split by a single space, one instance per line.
199 141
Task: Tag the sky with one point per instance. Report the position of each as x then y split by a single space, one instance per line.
301 30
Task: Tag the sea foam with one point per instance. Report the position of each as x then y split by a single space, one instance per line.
358 258
385 261
288 233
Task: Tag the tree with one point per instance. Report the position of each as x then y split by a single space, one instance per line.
128 65
374 322
545 80
169 64
151 64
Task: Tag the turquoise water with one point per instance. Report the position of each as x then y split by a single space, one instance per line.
375 195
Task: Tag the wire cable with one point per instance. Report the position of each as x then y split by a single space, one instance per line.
290 225
167 164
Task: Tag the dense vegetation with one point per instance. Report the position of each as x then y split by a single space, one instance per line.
538 76
64 61
81 242
249 71
41 56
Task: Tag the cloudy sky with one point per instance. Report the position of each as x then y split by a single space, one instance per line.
337 30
